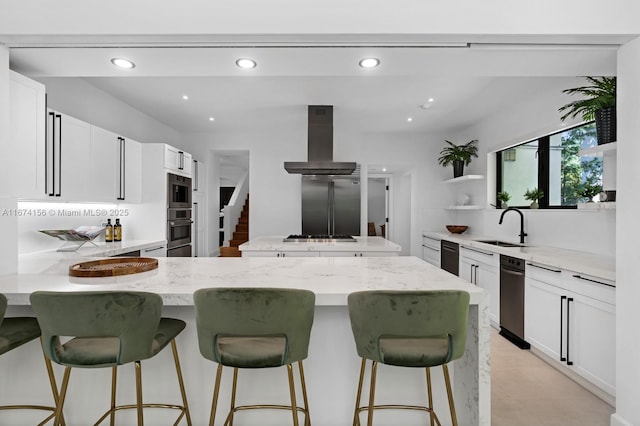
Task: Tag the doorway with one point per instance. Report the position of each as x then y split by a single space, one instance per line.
378 196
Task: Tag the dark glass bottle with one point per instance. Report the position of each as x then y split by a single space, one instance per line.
108 236
117 231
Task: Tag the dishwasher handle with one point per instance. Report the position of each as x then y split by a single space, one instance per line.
512 271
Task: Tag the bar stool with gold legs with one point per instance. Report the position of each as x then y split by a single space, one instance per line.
15 332
107 329
255 328
408 329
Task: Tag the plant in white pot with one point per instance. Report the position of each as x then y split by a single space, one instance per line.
599 104
534 195
458 156
503 197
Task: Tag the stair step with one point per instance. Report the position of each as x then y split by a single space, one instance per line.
242 227
240 235
236 243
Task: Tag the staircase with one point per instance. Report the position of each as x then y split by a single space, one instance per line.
241 234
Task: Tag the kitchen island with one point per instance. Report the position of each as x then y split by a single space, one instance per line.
360 247
331 368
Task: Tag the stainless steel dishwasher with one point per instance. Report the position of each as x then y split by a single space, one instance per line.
449 256
512 300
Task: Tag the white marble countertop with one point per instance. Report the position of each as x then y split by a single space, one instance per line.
591 264
175 279
361 244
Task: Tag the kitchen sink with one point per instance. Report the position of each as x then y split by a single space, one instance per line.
500 243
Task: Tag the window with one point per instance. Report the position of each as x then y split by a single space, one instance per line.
553 164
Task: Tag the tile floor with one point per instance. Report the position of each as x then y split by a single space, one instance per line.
527 391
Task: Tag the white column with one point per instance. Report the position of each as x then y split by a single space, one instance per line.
627 233
8 221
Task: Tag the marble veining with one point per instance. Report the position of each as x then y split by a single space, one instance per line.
361 244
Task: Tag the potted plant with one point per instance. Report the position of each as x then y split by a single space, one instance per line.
534 195
599 105
458 155
590 190
503 197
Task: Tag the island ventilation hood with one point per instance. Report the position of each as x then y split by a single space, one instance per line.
320 147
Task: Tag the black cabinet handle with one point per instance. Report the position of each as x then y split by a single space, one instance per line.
562 299
195 175
180 160
59 157
592 280
476 277
124 169
542 267
569 300
53 157
120 147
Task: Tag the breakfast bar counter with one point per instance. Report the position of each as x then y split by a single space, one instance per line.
331 368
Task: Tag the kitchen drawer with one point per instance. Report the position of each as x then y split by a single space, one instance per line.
546 274
596 288
480 256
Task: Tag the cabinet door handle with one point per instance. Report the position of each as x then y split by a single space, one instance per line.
592 280
52 116
569 300
195 226
153 249
195 175
180 160
59 157
124 170
477 268
120 169
429 247
562 299
488 253
546 269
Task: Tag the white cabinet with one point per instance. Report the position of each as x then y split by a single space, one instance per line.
277 253
158 251
116 163
177 161
571 318
26 152
431 250
481 268
68 174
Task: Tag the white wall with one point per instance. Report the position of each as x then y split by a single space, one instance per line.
8 222
628 255
537 115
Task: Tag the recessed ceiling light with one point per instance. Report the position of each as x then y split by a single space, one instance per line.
246 63
123 63
212 119
185 97
430 100
369 62
384 169
409 120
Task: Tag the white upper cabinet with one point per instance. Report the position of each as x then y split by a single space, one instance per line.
26 159
116 165
177 161
68 167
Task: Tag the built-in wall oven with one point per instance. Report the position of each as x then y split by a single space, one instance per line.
179 232
179 218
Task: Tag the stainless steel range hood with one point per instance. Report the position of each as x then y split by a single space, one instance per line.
320 147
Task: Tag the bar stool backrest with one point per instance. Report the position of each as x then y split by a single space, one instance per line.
255 312
380 313
132 317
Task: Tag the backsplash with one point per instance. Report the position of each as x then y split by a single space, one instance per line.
35 216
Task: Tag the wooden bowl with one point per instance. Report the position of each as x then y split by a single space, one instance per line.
457 229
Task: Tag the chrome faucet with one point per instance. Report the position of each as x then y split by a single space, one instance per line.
522 233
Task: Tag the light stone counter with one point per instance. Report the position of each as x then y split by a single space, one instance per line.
594 265
332 367
362 244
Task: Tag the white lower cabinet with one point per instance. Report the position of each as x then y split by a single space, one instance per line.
275 253
158 251
571 319
431 250
481 268
358 253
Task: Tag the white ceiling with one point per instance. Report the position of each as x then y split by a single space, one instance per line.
467 83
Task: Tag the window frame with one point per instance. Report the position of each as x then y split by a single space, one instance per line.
543 169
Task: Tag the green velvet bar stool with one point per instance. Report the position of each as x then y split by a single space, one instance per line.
107 329
419 329
15 332
255 328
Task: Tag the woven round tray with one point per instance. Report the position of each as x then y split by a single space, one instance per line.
113 266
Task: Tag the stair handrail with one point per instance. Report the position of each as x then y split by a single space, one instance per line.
233 210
